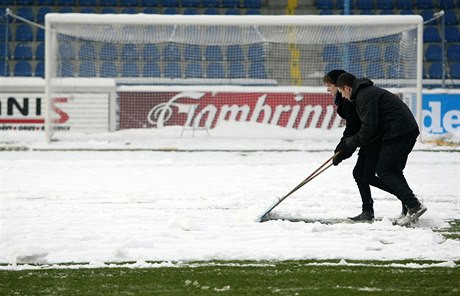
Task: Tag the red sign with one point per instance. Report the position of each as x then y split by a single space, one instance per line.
200 109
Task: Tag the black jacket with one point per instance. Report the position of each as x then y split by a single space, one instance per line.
382 114
347 111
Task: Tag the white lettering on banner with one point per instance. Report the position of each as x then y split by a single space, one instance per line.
449 123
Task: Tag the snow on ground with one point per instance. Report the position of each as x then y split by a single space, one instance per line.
199 203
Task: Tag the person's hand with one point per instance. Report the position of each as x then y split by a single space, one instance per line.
345 152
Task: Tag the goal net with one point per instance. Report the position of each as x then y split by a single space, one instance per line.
239 76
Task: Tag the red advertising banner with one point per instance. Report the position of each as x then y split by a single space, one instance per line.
140 109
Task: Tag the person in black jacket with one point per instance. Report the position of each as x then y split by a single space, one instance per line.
364 170
384 117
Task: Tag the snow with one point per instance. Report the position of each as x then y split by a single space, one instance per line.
141 197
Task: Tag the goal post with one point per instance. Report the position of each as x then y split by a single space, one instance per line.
152 58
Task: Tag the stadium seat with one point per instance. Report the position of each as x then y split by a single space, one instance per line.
150 52
386 12
4 68
215 70
232 11
431 34
211 3
87 51
435 71
40 69
66 9
90 3
404 4
25 12
433 53
213 53
151 69
5 51
108 52
192 52
384 4
66 69
235 53
257 70
367 12
172 70
253 11
22 68
170 3
87 69
25 2
230 3
455 70
130 69
331 53
391 51
24 33
256 53
171 10
406 12
427 14
191 3
324 4
252 4
446 4
108 3
88 10
331 66
149 3
354 53
364 4
108 69
3 29
171 52
452 34
356 69
453 52
108 10
129 52
66 2
372 52
150 10
41 14
211 11
45 2
424 4
394 70
129 10
236 70
340 4
326 12
40 51
191 11
375 71
40 34
23 51
128 3
193 70
450 17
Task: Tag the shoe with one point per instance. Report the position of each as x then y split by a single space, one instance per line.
364 216
402 214
412 215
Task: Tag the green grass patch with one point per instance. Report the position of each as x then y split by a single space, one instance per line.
453 231
240 278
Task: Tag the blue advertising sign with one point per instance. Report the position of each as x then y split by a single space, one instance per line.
441 113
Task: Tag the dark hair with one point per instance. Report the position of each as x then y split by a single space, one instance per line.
346 79
331 76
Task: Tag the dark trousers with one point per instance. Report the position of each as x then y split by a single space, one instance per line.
364 174
390 165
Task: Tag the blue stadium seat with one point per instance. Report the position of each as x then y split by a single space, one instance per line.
326 12
45 2
435 71
150 10
90 3
130 69
4 68
375 71
257 70
22 68
66 2
40 69
455 70
108 10
170 3
193 70
108 3
406 12
235 53
191 3
66 69
149 3
424 4
404 4
236 70
40 51
25 12
108 52
253 11
172 70
433 53
452 34
450 17
331 66
215 70
5 52
453 52
340 4
66 9
3 35
387 12
446 4
213 53
252 3
356 69
354 53
88 10
171 10
364 4
87 51
256 53
42 12
431 34
128 3
394 70
40 34
151 69
372 52
331 53
25 2
211 11
230 3
211 3
427 14
150 52
24 33
384 4
325 4
191 11
23 51
171 52
129 52
108 69
192 52
391 51
367 12
129 10
87 69
232 11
